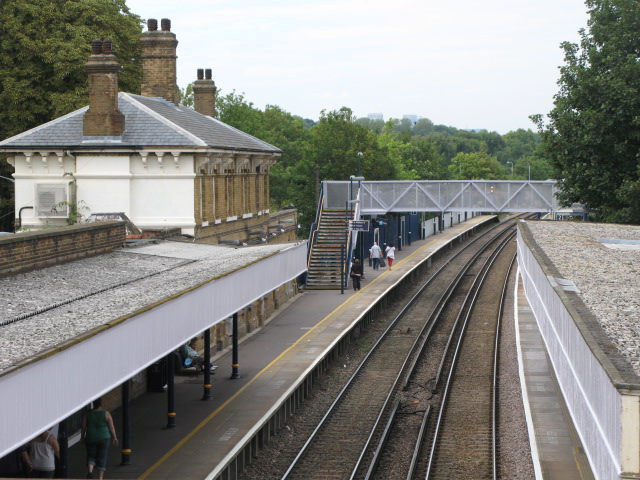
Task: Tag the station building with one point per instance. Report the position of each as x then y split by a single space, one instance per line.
166 167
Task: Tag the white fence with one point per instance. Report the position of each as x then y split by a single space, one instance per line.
604 410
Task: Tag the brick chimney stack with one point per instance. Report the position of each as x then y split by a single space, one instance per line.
159 77
204 93
103 119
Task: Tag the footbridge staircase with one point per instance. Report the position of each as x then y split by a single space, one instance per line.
327 248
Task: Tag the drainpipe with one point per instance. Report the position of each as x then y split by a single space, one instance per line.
20 219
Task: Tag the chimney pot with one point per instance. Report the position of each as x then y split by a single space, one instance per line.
204 93
96 47
152 24
103 119
159 76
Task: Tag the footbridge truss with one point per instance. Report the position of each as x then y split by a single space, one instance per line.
379 198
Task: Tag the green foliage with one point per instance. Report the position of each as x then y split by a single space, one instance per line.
476 166
186 96
74 209
422 161
45 45
593 135
328 150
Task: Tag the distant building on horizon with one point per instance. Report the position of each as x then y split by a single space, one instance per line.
414 118
375 116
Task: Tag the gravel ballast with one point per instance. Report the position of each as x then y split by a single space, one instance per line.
603 261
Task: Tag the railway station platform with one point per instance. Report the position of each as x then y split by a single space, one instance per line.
209 434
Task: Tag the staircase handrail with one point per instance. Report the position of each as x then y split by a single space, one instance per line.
350 244
313 229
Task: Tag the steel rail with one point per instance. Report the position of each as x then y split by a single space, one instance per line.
496 355
362 365
448 383
453 330
427 328
415 353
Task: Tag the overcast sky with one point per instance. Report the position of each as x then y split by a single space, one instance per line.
466 63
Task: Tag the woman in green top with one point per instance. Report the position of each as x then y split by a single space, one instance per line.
97 430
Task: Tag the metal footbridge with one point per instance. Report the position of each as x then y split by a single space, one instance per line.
331 241
380 198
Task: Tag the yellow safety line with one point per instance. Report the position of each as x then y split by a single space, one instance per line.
178 445
221 407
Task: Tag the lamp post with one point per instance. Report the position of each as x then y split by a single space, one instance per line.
351 180
529 171
359 179
359 159
347 247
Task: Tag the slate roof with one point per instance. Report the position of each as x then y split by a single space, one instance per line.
149 122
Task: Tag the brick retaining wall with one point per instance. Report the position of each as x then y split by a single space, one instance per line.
43 248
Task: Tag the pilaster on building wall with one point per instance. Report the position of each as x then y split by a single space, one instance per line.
235 207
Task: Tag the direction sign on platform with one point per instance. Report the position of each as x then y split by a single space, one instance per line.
359 225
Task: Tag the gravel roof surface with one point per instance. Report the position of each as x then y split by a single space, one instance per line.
603 260
46 307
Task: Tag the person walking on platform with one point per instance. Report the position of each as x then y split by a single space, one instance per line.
356 273
97 430
391 253
375 254
43 451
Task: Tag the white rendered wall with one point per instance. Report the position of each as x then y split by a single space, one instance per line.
155 190
593 401
163 201
103 183
39 168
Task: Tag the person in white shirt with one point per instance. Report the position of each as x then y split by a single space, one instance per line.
42 451
375 253
391 252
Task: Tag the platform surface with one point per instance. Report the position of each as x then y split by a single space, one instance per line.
270 360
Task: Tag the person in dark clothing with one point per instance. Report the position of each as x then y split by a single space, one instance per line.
16 464
356 274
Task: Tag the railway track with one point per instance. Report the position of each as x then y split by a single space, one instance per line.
386 408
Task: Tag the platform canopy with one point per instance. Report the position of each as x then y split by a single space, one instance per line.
379 198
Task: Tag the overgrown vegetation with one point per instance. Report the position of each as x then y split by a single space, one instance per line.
592 137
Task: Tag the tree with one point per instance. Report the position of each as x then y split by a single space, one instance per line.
517 144
424 126
476 166
186 97
234 110
45 45
422 160
593 135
